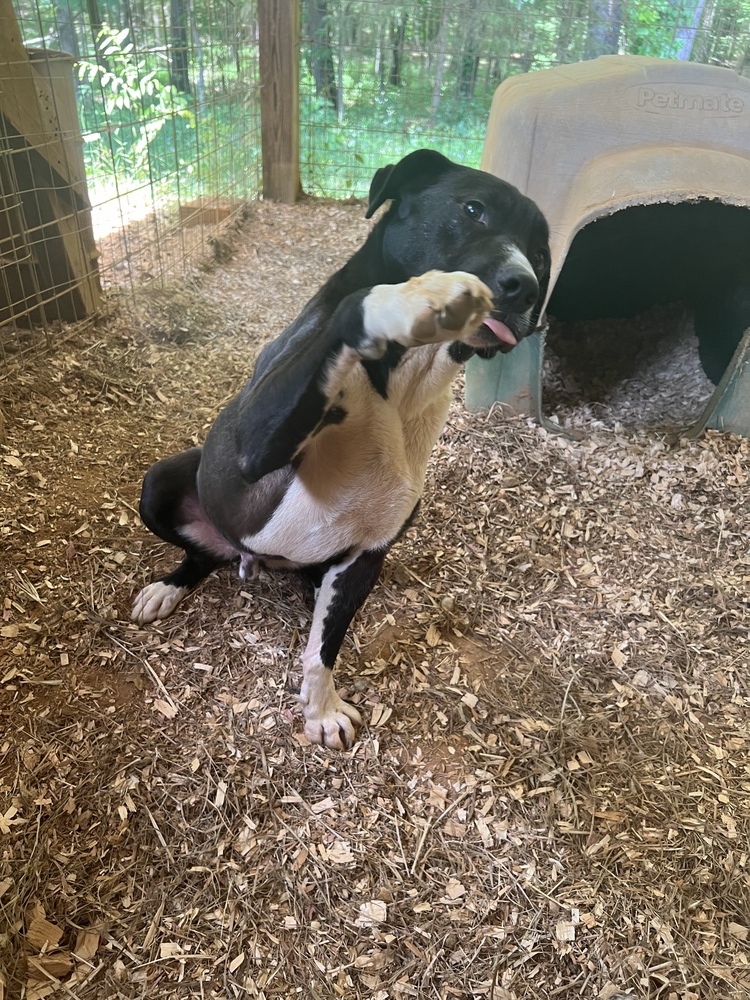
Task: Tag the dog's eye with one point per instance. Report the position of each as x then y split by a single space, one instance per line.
539 261
476 211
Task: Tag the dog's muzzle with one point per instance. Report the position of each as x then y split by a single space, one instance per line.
516 291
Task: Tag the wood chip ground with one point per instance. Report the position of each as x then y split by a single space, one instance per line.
552 796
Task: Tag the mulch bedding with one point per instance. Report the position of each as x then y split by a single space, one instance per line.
551 797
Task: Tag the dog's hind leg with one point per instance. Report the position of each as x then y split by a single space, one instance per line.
329 720
170 508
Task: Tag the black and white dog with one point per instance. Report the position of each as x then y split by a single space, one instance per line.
319 463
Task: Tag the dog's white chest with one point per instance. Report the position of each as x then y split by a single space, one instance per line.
306 529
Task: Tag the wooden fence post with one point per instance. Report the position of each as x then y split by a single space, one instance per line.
279 32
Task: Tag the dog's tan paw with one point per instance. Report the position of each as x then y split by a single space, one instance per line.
435 308
329 720
156 601
335 728
451 305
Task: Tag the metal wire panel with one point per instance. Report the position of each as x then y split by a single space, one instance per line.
145 138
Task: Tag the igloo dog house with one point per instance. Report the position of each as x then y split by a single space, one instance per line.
642 167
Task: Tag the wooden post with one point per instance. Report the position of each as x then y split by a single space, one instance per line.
278 28
47 250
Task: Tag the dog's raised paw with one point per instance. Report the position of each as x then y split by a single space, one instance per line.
454 304
157 600
434 308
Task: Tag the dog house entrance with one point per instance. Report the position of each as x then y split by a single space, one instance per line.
647 313
642 167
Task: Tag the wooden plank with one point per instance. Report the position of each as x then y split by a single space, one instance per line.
278 28
81 255
48 254
43 157
71 206
26 100
55 74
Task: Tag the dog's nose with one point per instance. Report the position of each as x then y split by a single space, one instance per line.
517 289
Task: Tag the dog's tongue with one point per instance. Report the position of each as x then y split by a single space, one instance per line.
500 330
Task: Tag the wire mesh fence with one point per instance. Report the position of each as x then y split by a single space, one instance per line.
129 133
380 79
130 129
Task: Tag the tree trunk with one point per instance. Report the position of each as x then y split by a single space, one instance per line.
179 75
468 69
376 69
200 89
702 44
340 77
564 35
529 51
740 65
398 36
321 52
468 63
66 35
439 63
95 20
687 35
605 22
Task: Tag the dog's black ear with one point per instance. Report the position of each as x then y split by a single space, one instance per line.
425 165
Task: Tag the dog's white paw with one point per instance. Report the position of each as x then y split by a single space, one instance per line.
434 308
248 569
157 600
329 720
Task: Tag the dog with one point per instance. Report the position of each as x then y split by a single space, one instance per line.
318 464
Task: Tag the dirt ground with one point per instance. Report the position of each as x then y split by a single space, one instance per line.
551 796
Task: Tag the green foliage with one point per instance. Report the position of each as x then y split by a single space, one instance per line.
131 107
649 27
380 124
139 130
377 122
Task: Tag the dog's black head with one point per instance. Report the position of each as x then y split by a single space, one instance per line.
448 217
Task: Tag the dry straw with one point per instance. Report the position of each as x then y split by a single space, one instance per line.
552 798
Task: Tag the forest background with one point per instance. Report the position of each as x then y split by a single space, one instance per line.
168 91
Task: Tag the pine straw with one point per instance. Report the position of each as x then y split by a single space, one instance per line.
552 796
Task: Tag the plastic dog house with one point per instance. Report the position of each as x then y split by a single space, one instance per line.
642 167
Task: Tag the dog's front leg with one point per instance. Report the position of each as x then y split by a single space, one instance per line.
279 411
329 720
